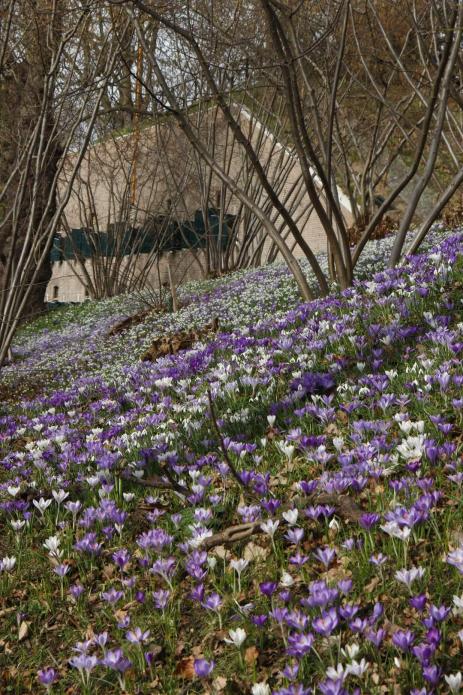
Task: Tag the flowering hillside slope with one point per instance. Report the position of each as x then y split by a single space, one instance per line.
276 511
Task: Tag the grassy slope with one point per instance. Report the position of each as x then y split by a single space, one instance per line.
388 345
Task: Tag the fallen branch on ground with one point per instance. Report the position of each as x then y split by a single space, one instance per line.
160 484
346 509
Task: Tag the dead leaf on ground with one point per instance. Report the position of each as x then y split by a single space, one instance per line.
253 551
371 586
182 340
108 571
23 631
185 668
219 684
221 552
251 655
120 615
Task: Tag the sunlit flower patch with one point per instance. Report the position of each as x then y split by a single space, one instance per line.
276 511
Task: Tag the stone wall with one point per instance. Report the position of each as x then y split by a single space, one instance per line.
68 282
169 179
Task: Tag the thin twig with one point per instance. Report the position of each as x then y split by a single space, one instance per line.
157 482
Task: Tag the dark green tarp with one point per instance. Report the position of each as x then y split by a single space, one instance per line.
159 234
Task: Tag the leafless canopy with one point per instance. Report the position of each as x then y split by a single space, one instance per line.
349 111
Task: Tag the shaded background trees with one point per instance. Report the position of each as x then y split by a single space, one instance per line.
364 95
52 98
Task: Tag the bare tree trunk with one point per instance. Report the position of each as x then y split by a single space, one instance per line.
434 214
455 32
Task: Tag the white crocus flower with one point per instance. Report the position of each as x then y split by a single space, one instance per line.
260 689
52 545
60 496
42 504
336 674
407 577
351 650
13 490
199 538
7 564
211 562
286 449
454 681
412 447
271 420
239 565
357 668
269 527
290 516
393 529
237 637
458 603
17 525
406 426
286 580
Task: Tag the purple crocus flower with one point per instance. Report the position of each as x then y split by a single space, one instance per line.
368 520
84 662
164 568
203 668
300 644
121 557
61 570
116 661
137 636
326 623
424 652
213 602
434 636
345 586
271 506
295 535
332 687
47 677
197 593
325 555
439 613
432 674
349 611
155 539
279 613
418 602
161 598
298 559
375 636
290 671
259 620
112 595
101 639
296 689
268 588
403 639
